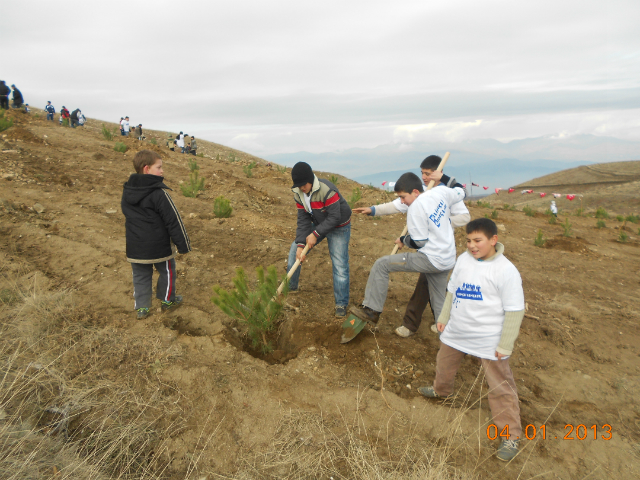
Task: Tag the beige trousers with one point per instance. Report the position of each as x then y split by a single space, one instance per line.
503 395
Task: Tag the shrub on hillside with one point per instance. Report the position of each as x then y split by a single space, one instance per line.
539 241
566 226
620 218
222 207
623 237
194 187
193 166
552 219
5 122
601 213
494 215
153 141
600 224
120 147
259 309
280 169
632 218
107 134
528 211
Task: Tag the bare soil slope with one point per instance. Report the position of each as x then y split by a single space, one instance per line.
228 411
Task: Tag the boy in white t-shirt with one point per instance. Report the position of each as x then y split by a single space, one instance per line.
459 218
482 314
429 232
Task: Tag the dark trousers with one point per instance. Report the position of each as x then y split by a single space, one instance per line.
417 304
4 102
50 116
142 282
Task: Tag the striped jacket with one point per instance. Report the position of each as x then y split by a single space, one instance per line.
152 221
328 211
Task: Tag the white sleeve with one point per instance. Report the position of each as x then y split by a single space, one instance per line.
401 207
454 195
511 291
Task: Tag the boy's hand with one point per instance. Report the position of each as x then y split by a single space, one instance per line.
311 241
440 327
435 176
299 255
500 356
362 210
399 243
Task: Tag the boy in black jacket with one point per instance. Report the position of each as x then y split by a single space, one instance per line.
152 222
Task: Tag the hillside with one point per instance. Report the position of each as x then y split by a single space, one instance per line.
613 186
93 393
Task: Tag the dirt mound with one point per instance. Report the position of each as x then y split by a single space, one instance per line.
21 134
568 244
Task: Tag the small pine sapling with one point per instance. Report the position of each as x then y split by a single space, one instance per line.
120 147
248 169
528 211
193 165
600 224
632 218
566 226
222 207
195 185
5 122
356 195
539 241
334 179
259 309
106 133
601 213
494 215
153 141
623 237
620 218
552 219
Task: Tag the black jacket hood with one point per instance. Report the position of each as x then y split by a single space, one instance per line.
141 185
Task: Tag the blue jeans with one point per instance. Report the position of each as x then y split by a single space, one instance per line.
338 243
50 116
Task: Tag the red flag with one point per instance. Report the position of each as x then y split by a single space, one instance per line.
511 190
486 188
383 183
464 185
570 197
497 190
542 194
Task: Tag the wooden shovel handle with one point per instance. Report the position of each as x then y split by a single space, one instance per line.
292 270
429 187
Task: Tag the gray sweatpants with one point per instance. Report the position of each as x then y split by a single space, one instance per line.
142 282
378 284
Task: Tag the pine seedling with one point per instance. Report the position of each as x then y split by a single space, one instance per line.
193 165
106 133
356 195
281 169
222 207
259 309
620 218
120 147
552 219
632 218
194 187
539 241
248 169
153 141
528 211
567 228
601 213
600 224
334 179
623 237
494 215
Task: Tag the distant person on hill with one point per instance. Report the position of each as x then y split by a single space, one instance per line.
459 218
152 223
4 95
17 97
171 143
139 131
429 233
26 108
65 115
194 145
553 208
50 109
322 213
186 147
74 117
180 142
121 129
125 126
482 314
82 120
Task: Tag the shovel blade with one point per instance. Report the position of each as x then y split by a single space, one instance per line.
352 326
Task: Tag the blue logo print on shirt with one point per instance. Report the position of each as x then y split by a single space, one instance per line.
437 215
468 292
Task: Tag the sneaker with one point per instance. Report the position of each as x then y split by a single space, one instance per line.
142 313
169 305
430 392
366 314
341 311
508 450
404 332
434 328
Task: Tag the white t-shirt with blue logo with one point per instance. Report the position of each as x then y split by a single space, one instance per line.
482 292
428 220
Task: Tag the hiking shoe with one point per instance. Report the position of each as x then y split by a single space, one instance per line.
404 332
366 314
142 313
169 305
341 311
434 328
430 392
508 450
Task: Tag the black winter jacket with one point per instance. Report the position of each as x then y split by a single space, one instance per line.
4 90
74 114
328 211
152 221
17 96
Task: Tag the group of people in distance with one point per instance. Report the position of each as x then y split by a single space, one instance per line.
477 300
18 99
73 119
181 142
125 128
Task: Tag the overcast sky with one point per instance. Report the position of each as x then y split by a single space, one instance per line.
284 76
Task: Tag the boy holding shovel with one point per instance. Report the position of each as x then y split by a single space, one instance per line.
322 212
429 232
459 218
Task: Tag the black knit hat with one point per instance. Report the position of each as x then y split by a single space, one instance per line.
301 174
